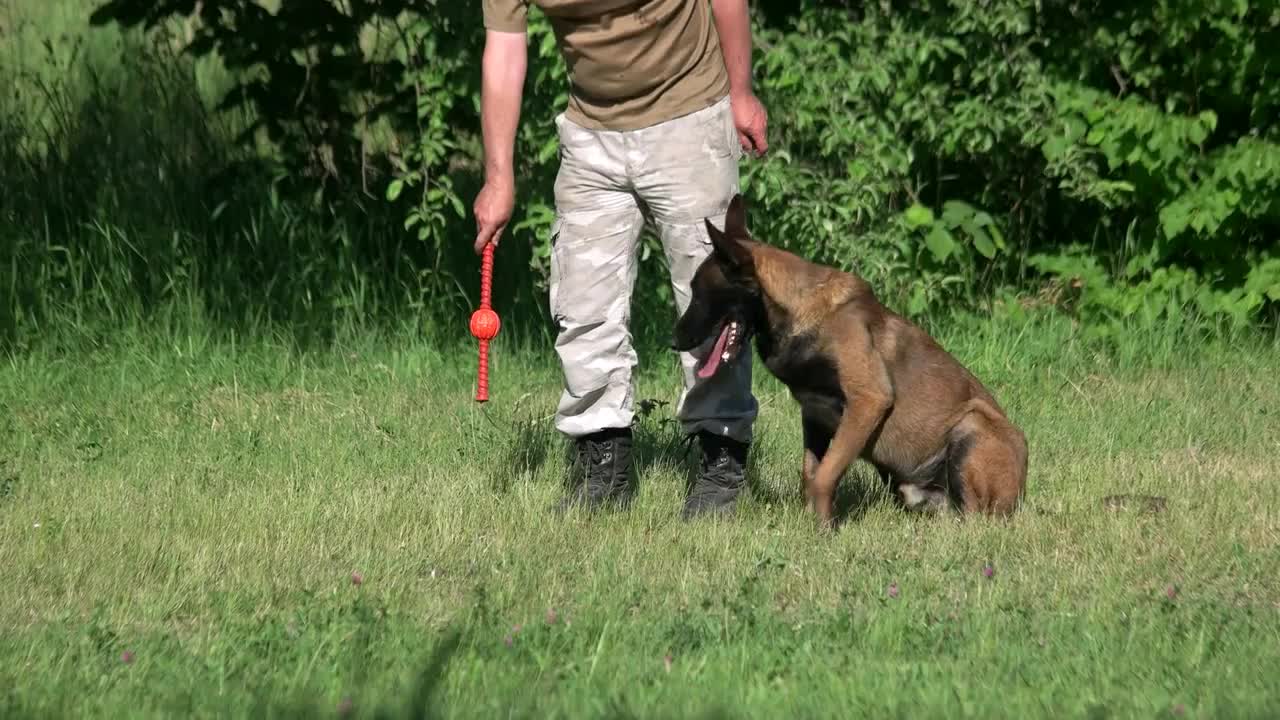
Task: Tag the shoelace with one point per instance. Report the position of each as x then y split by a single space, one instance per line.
719 468
599 453
599 457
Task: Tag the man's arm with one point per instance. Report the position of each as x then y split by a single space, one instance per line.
502 73
733 25
501 90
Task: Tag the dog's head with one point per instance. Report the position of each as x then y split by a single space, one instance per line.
726 304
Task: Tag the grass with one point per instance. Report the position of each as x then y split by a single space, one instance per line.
184 523
184 512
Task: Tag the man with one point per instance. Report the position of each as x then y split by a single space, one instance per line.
660 108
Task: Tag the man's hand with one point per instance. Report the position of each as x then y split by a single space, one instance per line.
752 121
493 208
733 25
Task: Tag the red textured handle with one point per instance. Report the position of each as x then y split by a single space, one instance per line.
486 276
486 295
482 375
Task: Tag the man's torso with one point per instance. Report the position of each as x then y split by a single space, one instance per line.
633 63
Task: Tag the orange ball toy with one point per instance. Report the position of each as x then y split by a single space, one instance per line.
485 324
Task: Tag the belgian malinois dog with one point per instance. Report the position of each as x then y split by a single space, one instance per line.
870 384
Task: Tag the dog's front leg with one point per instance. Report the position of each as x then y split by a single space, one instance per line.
862 415
816 441
868 397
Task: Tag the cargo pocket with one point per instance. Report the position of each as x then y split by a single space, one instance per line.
722 132
590 304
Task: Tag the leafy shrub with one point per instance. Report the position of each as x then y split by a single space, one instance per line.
948 150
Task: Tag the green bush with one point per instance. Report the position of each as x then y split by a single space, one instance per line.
952 151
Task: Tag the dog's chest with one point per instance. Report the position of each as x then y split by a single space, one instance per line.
808 372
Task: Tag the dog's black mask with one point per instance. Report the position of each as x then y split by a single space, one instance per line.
718 323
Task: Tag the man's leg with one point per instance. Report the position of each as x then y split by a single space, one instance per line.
593 270
689 174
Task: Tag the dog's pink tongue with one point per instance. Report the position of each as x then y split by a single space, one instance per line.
713 360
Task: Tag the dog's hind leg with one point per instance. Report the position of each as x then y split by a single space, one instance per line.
924 499
987 461
924 490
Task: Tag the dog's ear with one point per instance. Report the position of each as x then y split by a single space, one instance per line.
735 220
727 248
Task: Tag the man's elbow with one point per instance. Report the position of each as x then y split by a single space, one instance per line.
504 60
505 47
724 9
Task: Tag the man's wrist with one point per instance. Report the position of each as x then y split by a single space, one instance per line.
499 175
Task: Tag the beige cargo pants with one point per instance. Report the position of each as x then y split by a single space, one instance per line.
676 174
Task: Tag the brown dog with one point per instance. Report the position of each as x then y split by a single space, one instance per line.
870 384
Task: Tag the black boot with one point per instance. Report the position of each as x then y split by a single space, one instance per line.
724 463
601 472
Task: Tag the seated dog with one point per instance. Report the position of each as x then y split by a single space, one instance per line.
870 384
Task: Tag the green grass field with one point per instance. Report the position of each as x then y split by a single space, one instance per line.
184 524
197 527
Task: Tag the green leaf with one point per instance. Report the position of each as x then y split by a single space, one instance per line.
549 149
917 303
394 189
1173 220
996 235
940 243
982 242
956 213
1054 148
1075 128
1210 119
918 216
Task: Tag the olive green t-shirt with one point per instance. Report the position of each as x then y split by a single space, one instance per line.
632 63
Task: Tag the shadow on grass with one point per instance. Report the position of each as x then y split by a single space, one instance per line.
523 456
659 443
860 490
425 701
528 442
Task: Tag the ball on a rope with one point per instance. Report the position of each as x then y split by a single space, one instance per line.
485 324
